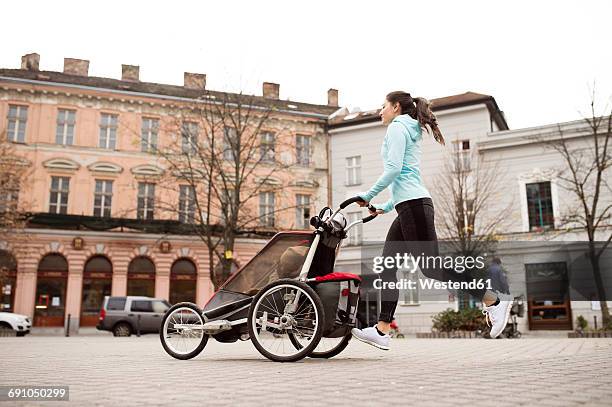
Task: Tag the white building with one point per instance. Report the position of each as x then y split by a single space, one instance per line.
473 123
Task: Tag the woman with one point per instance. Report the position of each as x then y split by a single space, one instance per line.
414 225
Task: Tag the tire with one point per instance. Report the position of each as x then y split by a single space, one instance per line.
21 333
312 300
400 336
122 329
185 306
326 354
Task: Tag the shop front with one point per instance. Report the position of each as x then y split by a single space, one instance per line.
51 283
97 282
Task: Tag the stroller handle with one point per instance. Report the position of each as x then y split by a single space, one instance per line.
354 200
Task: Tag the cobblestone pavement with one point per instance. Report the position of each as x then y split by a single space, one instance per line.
108 371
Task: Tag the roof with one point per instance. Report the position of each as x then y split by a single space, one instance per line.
438 104
158 89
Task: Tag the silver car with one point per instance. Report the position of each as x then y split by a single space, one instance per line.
124 316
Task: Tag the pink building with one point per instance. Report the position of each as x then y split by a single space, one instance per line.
99 228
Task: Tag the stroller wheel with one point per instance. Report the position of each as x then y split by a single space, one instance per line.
327 347
181 332
284 310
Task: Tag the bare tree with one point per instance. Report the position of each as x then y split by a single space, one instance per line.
226 150
469 187
585 173
13 169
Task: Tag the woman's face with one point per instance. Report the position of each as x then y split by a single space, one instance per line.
389 111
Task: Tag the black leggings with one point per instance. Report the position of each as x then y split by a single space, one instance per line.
414 223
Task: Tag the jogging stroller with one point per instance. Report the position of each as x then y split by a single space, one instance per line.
286 299
517 310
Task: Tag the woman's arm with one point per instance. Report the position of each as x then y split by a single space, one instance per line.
396 147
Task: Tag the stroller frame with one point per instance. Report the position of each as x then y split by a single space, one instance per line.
225 317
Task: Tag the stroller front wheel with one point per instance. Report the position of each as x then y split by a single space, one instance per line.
281 311
181 334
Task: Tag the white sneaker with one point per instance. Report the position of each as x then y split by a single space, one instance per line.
497 315
372 337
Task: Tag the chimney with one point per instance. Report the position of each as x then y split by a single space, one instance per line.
271 90
130 73
30 62
76 66
194 81
332 97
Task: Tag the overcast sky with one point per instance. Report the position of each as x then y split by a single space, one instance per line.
537 58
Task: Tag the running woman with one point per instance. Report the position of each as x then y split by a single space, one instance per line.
405 117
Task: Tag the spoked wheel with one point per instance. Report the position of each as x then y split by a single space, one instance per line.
327 347
283 310
181 332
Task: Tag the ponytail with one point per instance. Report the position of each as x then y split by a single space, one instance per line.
426 118
419 109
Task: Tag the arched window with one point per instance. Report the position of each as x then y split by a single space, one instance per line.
8 280
183 280
51 283
97 282
141 277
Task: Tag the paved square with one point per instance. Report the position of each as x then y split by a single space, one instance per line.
108 371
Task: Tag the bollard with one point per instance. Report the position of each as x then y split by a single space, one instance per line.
68 326
138 326
595 321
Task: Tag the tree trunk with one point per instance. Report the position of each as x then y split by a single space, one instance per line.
601 292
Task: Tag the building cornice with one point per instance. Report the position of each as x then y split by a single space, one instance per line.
134 98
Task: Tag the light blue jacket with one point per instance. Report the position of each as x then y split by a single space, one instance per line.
401 154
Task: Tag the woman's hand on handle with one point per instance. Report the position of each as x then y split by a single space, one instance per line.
374 211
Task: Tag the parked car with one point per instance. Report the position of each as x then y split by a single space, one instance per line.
124 316
21 324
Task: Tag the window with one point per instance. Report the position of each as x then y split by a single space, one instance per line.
186 204
230 140
103 197
148 139
64 134
146 200
302 211
17 119
540 206
9 197
116 304
353 170
189 137
355 235
160 306
267 147
108 131
302 145
461 150
142 306
266 208
58 200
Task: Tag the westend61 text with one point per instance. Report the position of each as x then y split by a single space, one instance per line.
428 284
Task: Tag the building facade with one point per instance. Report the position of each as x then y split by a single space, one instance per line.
528 192
101 221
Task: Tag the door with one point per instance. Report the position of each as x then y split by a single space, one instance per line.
150 313
51 283
548 296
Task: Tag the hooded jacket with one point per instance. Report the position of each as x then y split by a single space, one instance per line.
401 154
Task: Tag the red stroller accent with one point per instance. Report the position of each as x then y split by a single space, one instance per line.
286 299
